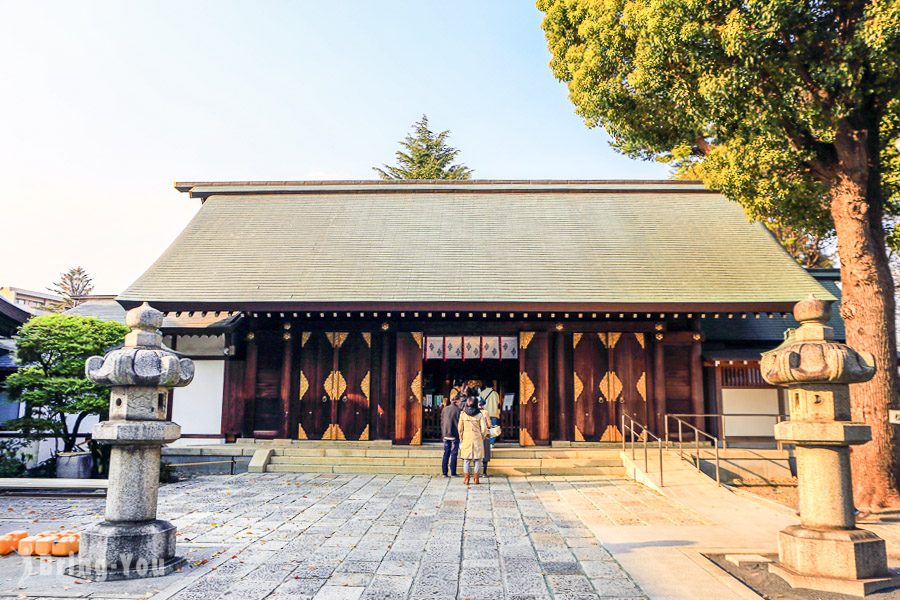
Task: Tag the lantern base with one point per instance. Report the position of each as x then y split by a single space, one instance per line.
850 587
113 551
847 561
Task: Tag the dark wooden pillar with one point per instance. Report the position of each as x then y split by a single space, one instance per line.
562 406
697 382
659 385
233 398
287 369
383 407
250 385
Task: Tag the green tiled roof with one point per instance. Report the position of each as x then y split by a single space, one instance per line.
286 244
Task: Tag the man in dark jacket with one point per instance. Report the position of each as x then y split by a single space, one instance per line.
450 433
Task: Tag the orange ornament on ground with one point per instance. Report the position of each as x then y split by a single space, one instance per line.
26 546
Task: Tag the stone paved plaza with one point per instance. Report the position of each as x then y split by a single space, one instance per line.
366 536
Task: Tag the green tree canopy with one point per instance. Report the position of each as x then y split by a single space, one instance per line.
425 155
52 384
792 109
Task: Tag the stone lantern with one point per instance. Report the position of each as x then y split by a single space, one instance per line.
131 542
825 551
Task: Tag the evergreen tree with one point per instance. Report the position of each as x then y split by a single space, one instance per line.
72 284
425 155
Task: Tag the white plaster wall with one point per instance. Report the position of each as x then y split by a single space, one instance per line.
198 407
750 401
201 345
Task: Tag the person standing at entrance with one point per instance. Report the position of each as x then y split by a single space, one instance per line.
471 439
487 440
491 404
450 433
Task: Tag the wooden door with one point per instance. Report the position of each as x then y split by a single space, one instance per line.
591 383
534 388
630 366
315 405
353 383
408 389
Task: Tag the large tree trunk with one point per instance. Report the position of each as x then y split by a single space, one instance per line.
867 307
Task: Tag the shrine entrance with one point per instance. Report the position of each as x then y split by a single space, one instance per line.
451 361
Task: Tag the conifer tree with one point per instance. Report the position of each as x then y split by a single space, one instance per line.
425 155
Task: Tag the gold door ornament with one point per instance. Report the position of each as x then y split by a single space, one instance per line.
526 388
337 338
525 438
416 387
525 338
335 385
304 384
579 386
642 386
364 385
418 338
579 437
610 388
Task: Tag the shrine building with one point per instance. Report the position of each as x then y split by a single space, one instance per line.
345 310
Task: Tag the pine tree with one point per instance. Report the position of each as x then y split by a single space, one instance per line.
72 284
425 155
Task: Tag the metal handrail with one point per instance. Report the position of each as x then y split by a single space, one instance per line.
697 434
723 438
644 435
233 460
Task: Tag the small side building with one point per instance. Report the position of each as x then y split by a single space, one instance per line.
733 383
11 317
201 337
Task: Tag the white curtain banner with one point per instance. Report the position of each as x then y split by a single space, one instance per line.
509 347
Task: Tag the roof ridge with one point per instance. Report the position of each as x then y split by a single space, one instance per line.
204 189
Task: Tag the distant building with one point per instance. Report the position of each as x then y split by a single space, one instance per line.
33 302
11 316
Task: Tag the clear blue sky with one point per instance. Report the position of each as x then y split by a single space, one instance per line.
105 104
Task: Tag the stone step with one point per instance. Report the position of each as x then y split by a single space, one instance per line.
556 465
428 452
285 443
434 469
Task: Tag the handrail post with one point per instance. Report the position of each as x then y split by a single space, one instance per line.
718 472
697 445
631 436
644 435
680 441
660 463
623 433
666 421
724 436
